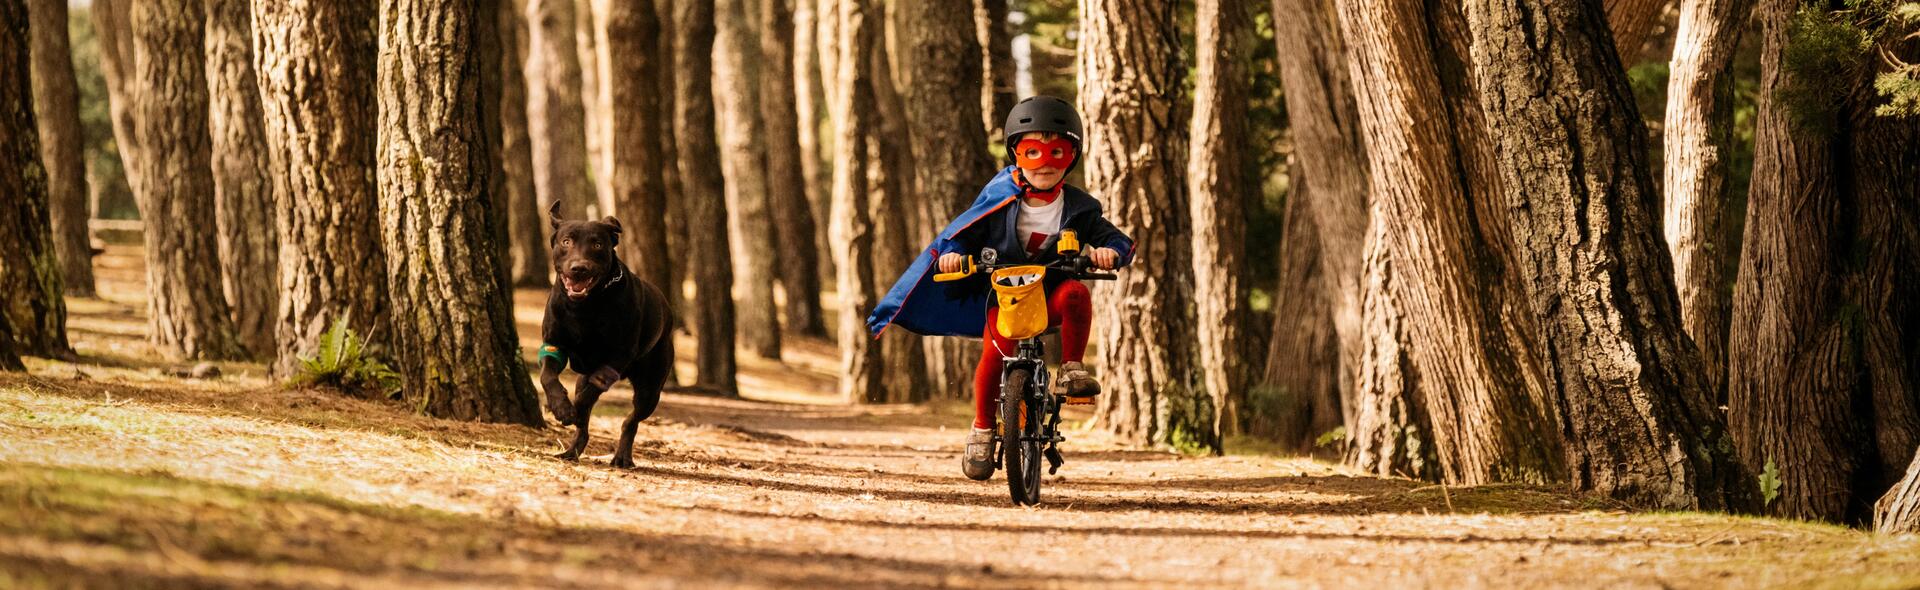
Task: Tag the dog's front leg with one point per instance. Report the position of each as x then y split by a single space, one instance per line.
586 394
557 402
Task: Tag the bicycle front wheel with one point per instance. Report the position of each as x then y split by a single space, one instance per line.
1019 445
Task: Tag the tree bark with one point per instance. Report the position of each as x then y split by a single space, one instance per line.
556 114
9 359
995 38
810 104
316 70
787 181
1560 109
243 190
457 351
1630 21
587 14
1129 92
1298 396
630 77
1699 138
526 222
949 152
1216 179
1899 510
702 185
744 158
861 368
669 167
30 272
1822 364
491 52
1447 389
173 180
56 104
114 36
1321 114
891 204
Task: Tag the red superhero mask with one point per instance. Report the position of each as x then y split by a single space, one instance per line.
1034 153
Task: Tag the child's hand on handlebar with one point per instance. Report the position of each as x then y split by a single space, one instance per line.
1103 258
952 262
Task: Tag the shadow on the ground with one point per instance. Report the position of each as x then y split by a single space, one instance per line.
65 512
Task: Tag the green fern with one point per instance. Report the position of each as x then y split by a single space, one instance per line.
1332 437
342 362
1769 483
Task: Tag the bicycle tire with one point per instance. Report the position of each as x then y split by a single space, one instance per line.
1019 456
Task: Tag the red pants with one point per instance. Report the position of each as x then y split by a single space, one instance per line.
1068 306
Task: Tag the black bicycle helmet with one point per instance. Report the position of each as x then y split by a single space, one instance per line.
1046 114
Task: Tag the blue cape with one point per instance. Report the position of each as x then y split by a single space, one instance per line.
922 306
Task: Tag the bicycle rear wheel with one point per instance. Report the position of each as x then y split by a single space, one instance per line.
1020 452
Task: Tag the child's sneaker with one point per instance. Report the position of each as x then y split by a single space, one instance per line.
1079 382
977 461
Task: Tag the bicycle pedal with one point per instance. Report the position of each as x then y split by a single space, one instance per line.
1054 460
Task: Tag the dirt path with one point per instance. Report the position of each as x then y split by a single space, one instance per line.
115 475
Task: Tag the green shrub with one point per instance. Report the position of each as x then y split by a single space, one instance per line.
343 363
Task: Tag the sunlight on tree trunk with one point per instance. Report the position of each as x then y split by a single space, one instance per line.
457 353
243 184
315 63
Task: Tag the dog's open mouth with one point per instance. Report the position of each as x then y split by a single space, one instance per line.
576 290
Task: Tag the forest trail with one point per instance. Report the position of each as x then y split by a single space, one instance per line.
113 473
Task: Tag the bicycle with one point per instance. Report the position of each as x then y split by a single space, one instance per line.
1026 404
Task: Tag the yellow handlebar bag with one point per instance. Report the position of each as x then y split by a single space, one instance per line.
1023 301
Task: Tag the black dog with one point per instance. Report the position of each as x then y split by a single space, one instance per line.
609 323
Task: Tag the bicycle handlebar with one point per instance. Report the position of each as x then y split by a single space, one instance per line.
1075 265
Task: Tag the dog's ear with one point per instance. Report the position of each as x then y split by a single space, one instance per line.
613 227
553 213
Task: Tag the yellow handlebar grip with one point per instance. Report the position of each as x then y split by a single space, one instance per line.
966 271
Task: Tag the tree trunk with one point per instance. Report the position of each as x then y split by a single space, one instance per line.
556 115
702 185
630 77
891 203
787 182
1899 510
9 359
1216 179
1129 92
810 104
114 37
744 157
1822 366
1630 21
1298 397
243 190
1321 113
852 229
949 152
1699 138
587 14
56 105
1598 274
490 51
316 70
526 222
1446 388
995 38
30 273
669 166
173 180
455 337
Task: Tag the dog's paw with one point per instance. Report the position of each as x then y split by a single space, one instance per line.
562 412
621 461
568 455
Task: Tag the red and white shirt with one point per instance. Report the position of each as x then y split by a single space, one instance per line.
1038 224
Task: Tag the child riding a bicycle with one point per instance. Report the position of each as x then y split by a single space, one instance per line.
1020 214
